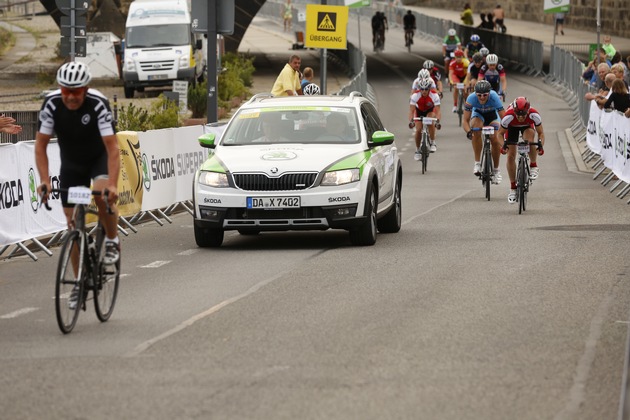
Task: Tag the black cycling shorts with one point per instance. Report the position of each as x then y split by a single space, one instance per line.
513 132
420 114
73 175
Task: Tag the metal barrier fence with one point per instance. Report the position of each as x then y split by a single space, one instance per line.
27 119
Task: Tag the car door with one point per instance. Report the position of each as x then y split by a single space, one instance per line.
382 158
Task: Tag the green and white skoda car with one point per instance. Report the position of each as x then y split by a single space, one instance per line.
299 163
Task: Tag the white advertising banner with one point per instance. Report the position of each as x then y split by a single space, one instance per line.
608 134
158 162
592 129
40 221
20 216
189 156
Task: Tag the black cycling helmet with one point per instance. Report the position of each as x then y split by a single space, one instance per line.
483 86
477 57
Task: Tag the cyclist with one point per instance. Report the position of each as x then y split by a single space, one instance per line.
473 46
424 103
435 73
457 71
483 108
520 118
409 22
449 45
473 72
82 120
484 52
494 73
377 30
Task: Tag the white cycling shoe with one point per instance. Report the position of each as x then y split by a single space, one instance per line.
497 178
512 197
533 173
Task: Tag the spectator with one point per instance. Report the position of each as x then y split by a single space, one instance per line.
590 75
287 15
499 17
617 70
627 76
467 15
483 23
490 22
608 47
288 81
618 97
559 23
7 125
617 59
307 77
602 94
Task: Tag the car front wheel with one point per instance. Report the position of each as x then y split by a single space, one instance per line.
391 222
366 233
206 237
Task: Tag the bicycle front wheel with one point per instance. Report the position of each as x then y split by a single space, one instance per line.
424 150
521 190
106 288
487 169
69 287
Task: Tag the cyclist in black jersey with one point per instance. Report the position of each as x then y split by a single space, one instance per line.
82 121
473 72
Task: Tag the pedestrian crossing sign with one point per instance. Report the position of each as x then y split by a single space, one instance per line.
326 26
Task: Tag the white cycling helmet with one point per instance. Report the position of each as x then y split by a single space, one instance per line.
424 74
452 32
484 51
429 64
73 75
425 84
311 89
492 59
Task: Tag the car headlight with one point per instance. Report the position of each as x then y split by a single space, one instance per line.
344 176
214 179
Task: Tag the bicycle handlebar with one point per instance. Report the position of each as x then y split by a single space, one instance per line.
59 190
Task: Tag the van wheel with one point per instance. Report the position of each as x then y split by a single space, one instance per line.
128 92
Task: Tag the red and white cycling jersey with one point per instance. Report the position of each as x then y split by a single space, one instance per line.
424 103
509 119
459 69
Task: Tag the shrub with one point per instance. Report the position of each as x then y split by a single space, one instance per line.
242 65
197 99
164 113
132 118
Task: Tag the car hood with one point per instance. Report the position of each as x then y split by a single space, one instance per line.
277 159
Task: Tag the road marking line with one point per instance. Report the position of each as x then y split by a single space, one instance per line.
155 264
190 321
189 251
19 312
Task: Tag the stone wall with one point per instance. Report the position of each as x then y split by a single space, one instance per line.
614 14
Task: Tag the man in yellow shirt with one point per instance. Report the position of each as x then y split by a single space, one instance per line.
288 81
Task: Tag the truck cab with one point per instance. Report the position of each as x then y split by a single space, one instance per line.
160 46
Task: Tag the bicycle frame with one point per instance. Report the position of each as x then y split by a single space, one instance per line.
460 102
424 143
487 164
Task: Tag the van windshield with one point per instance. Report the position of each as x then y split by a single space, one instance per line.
157 36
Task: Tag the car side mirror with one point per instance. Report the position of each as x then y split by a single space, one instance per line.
381 138
207 140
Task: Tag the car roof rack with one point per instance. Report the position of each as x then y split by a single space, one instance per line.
259 96
353 94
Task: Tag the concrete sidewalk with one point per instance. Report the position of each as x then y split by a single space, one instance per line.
24 44
532 30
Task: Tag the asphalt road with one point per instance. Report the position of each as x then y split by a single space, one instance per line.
471 311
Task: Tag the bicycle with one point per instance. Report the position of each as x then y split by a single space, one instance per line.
424 143
81 267
460 102
378 42
408 38
487 165
523 178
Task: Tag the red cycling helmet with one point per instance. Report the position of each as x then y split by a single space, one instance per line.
520 106
459 53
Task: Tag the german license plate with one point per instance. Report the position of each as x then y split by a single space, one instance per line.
157 76
273 202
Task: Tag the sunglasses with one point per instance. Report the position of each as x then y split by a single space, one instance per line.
424 88
521 114
72 91
482 95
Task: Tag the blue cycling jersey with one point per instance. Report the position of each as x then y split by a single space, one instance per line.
493 103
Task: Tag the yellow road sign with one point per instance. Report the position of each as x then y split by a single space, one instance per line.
326 27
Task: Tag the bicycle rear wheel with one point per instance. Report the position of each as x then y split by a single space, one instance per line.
70 274
106 285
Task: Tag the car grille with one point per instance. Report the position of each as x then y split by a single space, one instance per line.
286 182
159 65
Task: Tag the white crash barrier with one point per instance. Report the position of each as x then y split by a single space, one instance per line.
167 163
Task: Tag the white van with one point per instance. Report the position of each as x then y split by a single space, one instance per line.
160 46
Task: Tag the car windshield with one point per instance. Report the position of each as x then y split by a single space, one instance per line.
307 125
157 36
